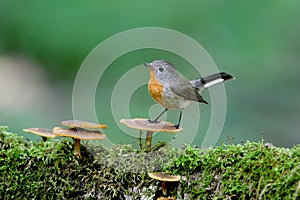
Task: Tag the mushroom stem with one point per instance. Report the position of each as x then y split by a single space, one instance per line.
148 139
44 138
164 187
77 148
140 140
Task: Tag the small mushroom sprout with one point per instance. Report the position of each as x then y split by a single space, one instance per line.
166 198
164 178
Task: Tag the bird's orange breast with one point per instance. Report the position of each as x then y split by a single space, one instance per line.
154 87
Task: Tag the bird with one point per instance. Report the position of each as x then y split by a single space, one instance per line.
169 88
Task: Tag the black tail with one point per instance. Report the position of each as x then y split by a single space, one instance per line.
208 81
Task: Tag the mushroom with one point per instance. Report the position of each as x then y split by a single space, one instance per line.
82 124
45 133
164 178
145 124
79 134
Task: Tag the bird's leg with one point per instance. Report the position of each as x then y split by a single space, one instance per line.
156 119
178 125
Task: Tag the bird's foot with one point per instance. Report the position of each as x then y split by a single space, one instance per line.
176 126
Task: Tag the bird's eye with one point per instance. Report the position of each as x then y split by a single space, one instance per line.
161 69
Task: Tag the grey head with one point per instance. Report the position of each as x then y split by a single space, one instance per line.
164 71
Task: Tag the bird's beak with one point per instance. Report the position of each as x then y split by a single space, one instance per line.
148 65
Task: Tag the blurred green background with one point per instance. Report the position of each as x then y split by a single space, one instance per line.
42 45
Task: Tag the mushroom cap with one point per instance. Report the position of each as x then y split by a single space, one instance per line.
79 133
82 124
144 124
166 198
164 177
41 132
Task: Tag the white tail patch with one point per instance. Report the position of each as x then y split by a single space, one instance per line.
220 80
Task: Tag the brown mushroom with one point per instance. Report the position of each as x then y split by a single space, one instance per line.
150 127
79 134
82 124
44 133
164 178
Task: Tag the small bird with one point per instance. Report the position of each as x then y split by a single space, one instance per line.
173 91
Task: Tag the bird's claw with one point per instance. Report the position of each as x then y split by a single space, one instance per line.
153 121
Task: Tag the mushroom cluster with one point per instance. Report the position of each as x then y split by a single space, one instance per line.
79 130
150 127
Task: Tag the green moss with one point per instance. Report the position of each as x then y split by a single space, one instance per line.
48 170
251 171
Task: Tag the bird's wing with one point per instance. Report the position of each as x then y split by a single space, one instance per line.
183 88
